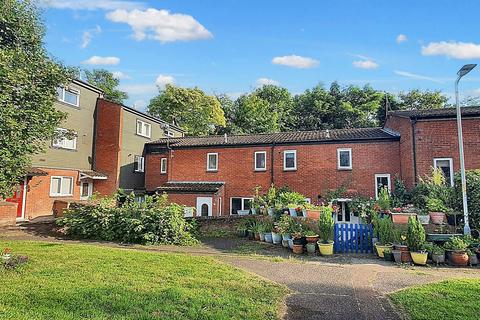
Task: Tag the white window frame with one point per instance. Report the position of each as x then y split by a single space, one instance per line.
54 194
71 90
243 203
163 165
90 190
255 161
208 161
140 164
139 129
285 160
63 139
450 160
339 166
383 175
170 134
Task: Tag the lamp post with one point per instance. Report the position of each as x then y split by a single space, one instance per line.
463 71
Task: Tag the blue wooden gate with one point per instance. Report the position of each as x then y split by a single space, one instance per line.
353 238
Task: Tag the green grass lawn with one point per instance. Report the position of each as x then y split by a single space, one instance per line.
66 281
451 299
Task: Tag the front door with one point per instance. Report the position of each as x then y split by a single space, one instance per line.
18 198
204 206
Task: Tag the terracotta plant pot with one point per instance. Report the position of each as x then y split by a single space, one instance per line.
423 218
437 217
312 239
298 248
381 249
257 236
326 249
459 258
311 247
313 214
401 217
419 258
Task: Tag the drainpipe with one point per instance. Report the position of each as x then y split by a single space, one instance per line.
272 179
414 149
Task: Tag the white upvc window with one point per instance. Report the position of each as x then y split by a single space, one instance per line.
69 96
163 165
61 186
344 158
260 161
446 165
290 160
63 142
144 129
382 181
239 203
86 190
212 161
170 134
139 164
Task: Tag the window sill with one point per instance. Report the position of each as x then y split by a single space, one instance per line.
260 170
64 149
163 173
344 169
138 171
212 171
69 104
61 195
286 169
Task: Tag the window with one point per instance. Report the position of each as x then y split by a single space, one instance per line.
163 165
64 142
144 129
139 164
446 165
238 203
61 186
68 95
382 181
290 160
212 161
260 160
170 133
344 159
86 190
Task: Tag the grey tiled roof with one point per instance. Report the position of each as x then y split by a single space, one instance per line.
437 113
281 138
191 186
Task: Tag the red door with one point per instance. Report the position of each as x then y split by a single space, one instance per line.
18 199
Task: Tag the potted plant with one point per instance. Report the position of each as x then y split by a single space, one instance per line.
325 227
416 241
311 236
472 257
423 217
6 254
385 234
388 255
276 235
312 211
268 227
311 247
437 210
261 231
458 255
242 229
297 242
285 225
438 254
401 217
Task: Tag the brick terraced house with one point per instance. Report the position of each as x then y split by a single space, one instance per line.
216 175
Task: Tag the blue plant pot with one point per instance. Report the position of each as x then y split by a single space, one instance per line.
286 236
290 244
268 237
292 212
276 238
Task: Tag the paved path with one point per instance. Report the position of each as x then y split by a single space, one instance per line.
340 287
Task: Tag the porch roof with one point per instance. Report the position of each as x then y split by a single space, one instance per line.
191 186
90 174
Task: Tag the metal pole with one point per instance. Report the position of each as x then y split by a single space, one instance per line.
466 228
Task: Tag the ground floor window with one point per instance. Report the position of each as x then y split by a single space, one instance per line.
446 165
344 213
86 190
382 181
61 186
238 203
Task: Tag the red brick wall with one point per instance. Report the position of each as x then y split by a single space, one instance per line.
108 141
8 213
152 164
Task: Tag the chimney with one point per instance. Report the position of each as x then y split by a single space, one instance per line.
225 138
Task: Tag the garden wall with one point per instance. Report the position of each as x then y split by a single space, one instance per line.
8 213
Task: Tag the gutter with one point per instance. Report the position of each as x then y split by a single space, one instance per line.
414 149
272 180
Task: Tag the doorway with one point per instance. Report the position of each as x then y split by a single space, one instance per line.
204 206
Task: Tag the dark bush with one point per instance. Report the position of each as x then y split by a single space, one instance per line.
473 196
154 221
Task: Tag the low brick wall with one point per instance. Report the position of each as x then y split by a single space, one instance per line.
213 225
8 213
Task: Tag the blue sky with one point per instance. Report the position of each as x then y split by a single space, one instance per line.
229 46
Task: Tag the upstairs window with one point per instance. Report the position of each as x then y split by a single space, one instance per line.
446 165
139 164
260 161
344 159
170 134
290 160
61 186
144 129
64 140
163 165
212 161
68 95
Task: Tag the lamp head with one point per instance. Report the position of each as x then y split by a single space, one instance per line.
465 69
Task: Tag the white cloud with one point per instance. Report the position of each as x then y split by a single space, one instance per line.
365 64
139 104
88 35
295 61
452 49
416 76
401 38
163 80
265 81
120 75
91 4
160 25
97 60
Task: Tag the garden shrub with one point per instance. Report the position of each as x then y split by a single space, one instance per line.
415 234
473 196
154 221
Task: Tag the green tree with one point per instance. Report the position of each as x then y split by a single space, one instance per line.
28 81
280 102
419 100
105 80
228 107
253 115
196 112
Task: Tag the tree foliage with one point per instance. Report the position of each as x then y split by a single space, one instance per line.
105 80
28 81
196 112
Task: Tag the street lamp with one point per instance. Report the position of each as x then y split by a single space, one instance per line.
463 71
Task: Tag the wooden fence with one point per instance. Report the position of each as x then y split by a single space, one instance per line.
353 238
